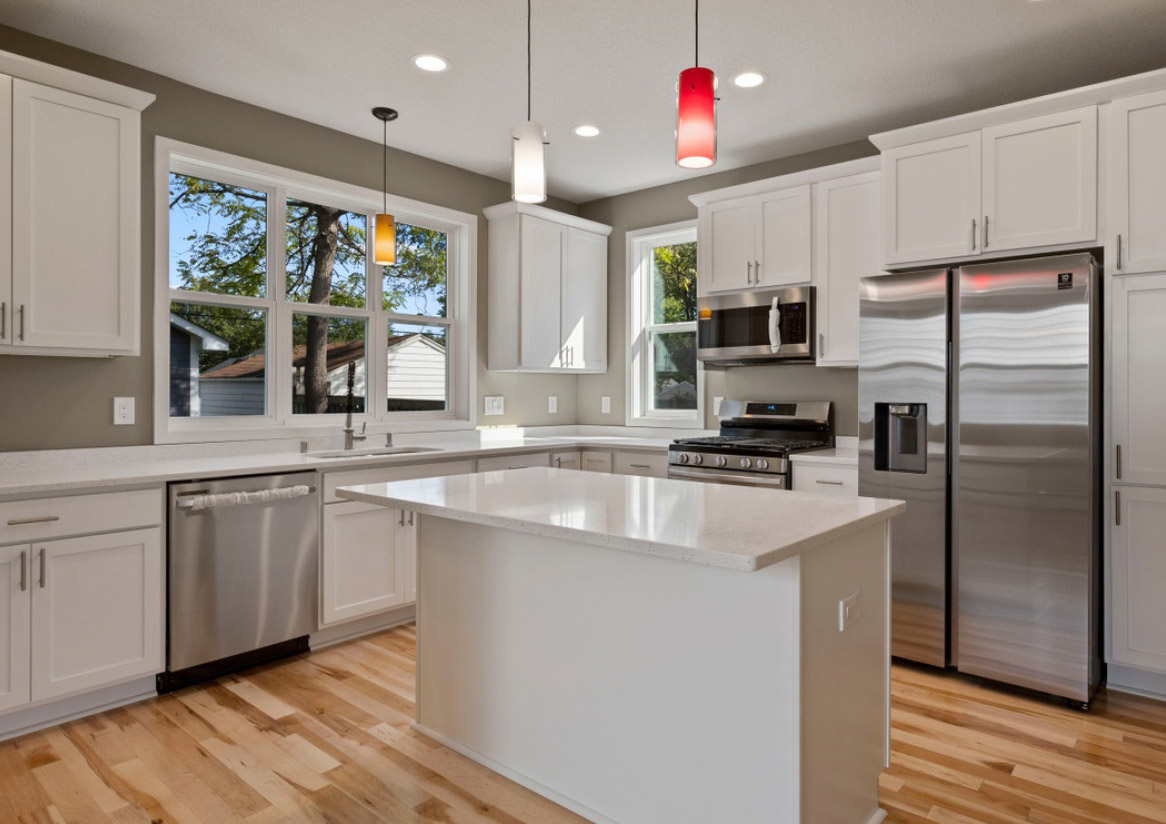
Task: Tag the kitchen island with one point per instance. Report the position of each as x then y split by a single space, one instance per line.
655 651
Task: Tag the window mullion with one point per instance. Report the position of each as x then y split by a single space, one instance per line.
279 346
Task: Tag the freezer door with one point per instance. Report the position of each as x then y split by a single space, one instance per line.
902 429
1025 530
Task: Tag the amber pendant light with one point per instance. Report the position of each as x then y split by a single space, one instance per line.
385 231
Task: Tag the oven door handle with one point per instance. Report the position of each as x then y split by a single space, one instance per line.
719 476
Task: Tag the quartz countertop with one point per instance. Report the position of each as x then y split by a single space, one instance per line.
711 524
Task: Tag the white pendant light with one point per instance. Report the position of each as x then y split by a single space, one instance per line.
385 229
528 151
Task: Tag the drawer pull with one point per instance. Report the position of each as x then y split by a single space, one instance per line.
42 567
23 570
38 519
640 466
830 483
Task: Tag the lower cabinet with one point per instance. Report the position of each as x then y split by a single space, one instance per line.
79 613
500 462
596 461
639 463
825 480
1138 578
566 460
368 560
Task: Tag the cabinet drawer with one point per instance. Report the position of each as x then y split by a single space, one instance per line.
384 474
499 462
639 463
597 461
826 480
43 518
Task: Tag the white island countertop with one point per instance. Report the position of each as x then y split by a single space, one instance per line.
718 525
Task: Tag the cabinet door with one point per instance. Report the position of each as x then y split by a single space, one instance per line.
6 313
541 253
74 220
501 462
1040 181
728 261
1139 392
784 243
1138 183
566 460
364 562
931 199
597 461
584 307
841 481
849 247
15 611
1138 579
96 611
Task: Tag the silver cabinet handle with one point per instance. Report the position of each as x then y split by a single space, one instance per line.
1117 507
821 343
1117 462
36 519
757 272
748 271
985 243
42 567
23 570
22 321
3 319
973 234
558 462
830 483
410 518
1119 253
401 519
640 466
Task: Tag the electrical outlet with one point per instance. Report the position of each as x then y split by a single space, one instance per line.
494 405
605 404
849 610
717 404
123 411
552 404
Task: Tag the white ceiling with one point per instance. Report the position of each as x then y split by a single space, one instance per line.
838 69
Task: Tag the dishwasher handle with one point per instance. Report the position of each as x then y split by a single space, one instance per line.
201 500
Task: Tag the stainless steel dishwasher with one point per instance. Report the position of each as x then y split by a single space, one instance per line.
243 561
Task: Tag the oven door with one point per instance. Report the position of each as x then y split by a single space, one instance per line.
756 327
728 476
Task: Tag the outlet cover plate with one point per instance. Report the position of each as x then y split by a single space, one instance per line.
552 404
494 405
123 411
605 404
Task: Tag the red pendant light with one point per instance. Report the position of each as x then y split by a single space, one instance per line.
696 112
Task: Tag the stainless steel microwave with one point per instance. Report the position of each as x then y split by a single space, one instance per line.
759 326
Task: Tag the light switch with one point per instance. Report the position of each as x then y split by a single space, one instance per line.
849 611
605 404
494 405
552 404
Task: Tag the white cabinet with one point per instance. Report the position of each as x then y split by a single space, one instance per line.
848 238
1138 398
840 481
96 611
566 460
499 462
548 291
15 634
69 184
1137 175
597 462
365 563
641 463
1138 579
762 240
1023 185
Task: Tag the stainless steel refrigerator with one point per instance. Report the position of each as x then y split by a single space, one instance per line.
979 404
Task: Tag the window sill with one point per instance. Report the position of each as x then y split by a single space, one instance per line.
695 421
273 432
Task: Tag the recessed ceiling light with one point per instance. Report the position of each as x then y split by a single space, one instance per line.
586 131
430 63
747 80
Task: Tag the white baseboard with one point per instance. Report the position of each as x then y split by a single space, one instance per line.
1136 681
349 630
22 722
879 815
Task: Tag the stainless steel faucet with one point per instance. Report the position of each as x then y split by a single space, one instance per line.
350 435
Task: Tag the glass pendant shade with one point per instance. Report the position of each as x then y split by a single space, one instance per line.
696 118
529 174
385 241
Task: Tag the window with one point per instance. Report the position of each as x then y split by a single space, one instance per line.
271 307
665 383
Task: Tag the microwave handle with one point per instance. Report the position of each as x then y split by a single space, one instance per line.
775 326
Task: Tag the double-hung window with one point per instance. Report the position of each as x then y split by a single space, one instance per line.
665 384
272 316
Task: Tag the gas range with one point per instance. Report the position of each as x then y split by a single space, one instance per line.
756 440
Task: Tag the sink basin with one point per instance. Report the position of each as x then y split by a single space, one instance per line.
373 452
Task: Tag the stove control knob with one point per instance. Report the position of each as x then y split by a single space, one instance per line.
721 460
746 463
763 464
684 457
698 459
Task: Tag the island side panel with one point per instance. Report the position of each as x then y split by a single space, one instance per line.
845 678
641 690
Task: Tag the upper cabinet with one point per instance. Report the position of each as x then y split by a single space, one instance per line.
69 212
548 291
761 240
1022 185
1137 169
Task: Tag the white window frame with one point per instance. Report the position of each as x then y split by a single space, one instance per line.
281 183
640 244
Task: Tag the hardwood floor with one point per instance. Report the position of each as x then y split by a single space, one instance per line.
325 738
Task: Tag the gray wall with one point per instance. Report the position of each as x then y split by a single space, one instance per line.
48 403
669 204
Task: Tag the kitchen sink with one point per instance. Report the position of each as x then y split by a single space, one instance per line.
373 452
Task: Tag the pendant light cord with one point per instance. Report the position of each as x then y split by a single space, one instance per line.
528 59
696 38
385 165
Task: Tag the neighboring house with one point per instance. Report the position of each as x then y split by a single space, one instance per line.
416 378
187 342
678 396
